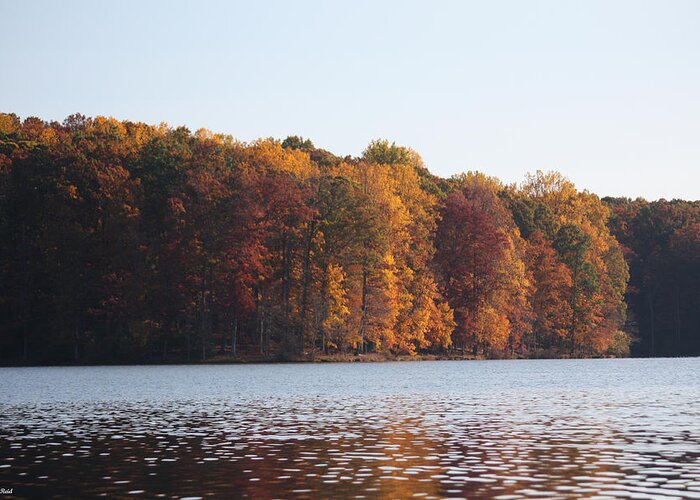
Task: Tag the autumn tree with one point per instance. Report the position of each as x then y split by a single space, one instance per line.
577 224
124 241
484 276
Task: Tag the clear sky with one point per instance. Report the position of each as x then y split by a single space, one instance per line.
607 92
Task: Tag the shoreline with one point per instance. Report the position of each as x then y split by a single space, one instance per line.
326 359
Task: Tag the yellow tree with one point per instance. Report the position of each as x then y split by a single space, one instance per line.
335 322
585 244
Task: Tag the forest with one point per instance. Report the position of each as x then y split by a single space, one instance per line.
128 243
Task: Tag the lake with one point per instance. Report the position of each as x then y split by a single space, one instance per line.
470 429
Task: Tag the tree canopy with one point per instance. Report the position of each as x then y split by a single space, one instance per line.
129 242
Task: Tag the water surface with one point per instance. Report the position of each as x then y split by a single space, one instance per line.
491 429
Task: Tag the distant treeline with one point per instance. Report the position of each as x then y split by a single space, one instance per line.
124 242
661 240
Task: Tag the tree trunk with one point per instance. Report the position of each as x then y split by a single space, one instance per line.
306 282
267 339
76 339
650 300
677 320
24 295
363 319
203 313
234 337
574 305
286 285
261 320
25 344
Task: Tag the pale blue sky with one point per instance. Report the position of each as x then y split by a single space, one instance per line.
607 92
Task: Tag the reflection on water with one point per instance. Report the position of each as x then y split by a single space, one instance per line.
625 428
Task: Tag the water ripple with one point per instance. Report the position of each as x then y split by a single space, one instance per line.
515 440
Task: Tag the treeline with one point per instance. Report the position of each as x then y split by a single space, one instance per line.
662 246
128 242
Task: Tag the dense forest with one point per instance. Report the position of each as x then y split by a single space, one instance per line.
661 240
125 242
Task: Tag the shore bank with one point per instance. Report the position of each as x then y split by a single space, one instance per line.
319 358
